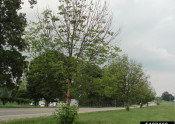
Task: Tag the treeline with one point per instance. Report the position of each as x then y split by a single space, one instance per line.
72 54
120 82
167 96
11 96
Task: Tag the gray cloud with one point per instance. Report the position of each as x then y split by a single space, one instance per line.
148 36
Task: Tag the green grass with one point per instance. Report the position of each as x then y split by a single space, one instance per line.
164 112
40 120
15 105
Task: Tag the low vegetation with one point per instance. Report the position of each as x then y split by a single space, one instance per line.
16 105
66 114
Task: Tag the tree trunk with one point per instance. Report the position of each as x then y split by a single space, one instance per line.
47 103
36 102
4 101
68 92
141 104
127 105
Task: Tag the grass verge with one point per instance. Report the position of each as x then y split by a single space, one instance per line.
15 105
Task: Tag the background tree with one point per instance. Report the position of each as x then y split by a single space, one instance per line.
150 96
22 94
123 75
81 29
86 87
12 25
145 93
111 78
167 97
5 95
46 77
125 81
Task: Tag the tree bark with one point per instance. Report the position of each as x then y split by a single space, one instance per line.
47 103
68 92
141 104
127 105
4 101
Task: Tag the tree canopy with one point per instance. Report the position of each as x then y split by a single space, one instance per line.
69 50
81 29
167 96
12 44
125 80
46 76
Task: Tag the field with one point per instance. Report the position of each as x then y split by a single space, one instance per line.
164 112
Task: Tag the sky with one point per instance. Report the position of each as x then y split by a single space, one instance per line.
147 35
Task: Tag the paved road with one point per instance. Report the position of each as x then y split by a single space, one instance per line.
17 113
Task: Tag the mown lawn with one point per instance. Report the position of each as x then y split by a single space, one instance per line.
164 112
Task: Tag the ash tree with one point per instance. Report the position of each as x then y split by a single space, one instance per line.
12 25
80 29
145 93
125 81
133 81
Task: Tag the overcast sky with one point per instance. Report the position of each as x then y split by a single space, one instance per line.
148 35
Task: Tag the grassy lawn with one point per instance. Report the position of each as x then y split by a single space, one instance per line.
164 112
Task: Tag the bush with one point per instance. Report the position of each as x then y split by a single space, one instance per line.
22 101
22 94
5 95
4 100
66 114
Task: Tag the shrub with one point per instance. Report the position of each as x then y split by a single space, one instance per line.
22 101
5 95
22 94
66 114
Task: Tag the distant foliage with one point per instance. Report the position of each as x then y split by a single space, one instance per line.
22 101
22 94
167 97
125 81
5 95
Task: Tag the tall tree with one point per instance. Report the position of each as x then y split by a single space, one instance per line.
124 79
12 25
81 29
